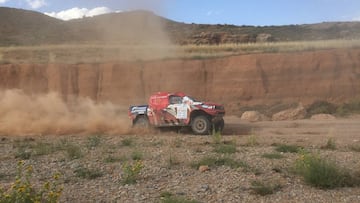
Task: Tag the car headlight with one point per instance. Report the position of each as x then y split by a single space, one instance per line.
207 106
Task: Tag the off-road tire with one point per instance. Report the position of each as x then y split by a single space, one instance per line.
219 125
201 125
141 122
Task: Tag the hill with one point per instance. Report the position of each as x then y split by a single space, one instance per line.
23 27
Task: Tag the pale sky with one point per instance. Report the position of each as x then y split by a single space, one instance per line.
237 12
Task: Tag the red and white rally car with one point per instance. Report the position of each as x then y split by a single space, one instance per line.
178 109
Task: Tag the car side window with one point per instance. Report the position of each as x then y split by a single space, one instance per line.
175 100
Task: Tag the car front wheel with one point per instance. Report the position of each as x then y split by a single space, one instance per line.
200 125
219 125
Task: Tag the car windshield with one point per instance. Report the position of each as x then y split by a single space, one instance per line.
192 99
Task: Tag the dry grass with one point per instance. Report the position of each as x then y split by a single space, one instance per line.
99 53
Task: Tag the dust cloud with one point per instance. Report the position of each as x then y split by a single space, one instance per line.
138 32
139 29
22 114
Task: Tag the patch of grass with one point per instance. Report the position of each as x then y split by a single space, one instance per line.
168 197
23 153
87 173
261 188
26 142
2 176
93 141
330 144
128 142
355 147
225 148
23 148
26 149
131 172
349 108
41 148
166 194
84 53
22 190
137 155
273 156
319 107
252 141
113 159
288 148
219 161
177 143
216 136
173 161
324 174
157 143
277 170
73 151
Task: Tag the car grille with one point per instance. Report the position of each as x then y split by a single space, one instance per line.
219 107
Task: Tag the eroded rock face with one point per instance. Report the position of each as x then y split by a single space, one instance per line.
236 81
290 114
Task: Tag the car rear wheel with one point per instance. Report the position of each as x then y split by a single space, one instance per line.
141 122
200 125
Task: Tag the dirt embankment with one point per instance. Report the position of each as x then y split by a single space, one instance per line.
332 75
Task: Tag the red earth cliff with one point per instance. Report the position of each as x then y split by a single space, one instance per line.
332 75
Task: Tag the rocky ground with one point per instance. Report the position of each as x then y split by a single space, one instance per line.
168 160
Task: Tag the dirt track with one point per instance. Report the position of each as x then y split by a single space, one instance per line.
307 133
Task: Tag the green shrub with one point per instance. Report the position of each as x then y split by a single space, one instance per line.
23 153
41 148
355 147
216 136
136 155
22 189
2 176
349 108
73 151
252 141
127 142
263 189
26 149
330 144
288 148
87 173
319 107
273 156
93 141
131 172
322 173
225 148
